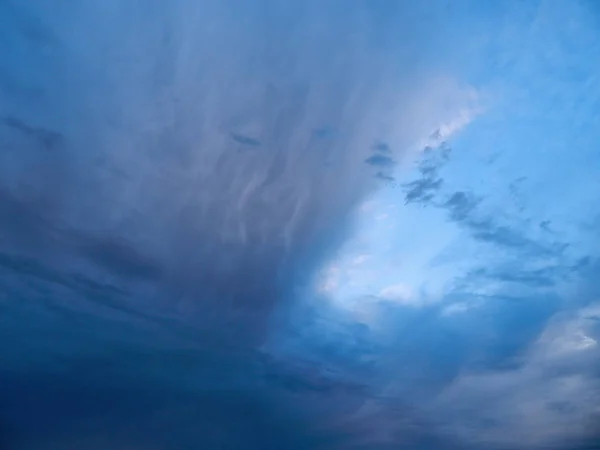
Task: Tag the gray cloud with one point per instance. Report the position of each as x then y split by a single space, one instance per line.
423 190
149 182
163 191
46 138
245 140
170 176
382 147
466 209
380 161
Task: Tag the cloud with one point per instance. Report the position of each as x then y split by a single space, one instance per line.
382 147
460 120
398 293
550 397
456 308
467 210
424 189
172 175
47 138
380 161
146 256
360 259
245 140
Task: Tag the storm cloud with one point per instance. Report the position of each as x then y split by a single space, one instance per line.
172 177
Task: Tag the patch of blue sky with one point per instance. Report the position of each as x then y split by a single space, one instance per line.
528 156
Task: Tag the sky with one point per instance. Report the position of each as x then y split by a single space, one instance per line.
270 224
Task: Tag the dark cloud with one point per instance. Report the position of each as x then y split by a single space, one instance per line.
143 258
540 278
150 270
423 190
384 177
245 140
466 208
487 230
324 132
162 199
380 161
382 147
460 205
119 258
47 138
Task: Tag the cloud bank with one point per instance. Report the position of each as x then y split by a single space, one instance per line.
173 176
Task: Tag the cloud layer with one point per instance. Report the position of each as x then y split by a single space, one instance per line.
174 175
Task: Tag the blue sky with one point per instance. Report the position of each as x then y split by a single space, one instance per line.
483 243
303 225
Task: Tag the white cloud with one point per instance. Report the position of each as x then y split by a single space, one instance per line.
570 334
398 293
463 118
360 259
524 407
551 396
367 206
461 105
456 308
329 280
